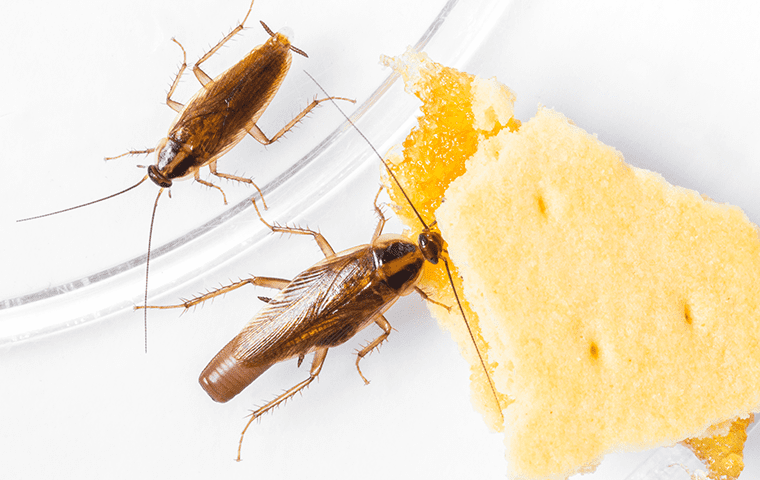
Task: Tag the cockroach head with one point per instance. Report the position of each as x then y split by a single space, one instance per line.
158 178
431 245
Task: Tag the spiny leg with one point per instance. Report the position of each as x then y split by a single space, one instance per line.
321 241
132 152
267 282
382 219
174 105
316 366
382 323
200 74
212 169
209 184
256 132
428 299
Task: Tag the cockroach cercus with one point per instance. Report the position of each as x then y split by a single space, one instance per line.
322 307
216 119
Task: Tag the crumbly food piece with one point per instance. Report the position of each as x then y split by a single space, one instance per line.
616 312
722 452
458 110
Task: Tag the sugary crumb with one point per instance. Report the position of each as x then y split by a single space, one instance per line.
723 451
616 312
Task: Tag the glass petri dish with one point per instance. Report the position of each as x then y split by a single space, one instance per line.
666 86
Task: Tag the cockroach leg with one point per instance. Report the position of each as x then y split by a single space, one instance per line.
382 323
256 132
316 367
212 169
318 237
382 219
427 298
173 104
132 152
266 282
200 74
209 184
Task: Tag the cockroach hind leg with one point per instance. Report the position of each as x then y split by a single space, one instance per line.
200 74
266 282
382 323
316 367
256 132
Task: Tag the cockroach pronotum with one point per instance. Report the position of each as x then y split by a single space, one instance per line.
216 119
323 307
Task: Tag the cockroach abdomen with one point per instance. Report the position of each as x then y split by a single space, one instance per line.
225 376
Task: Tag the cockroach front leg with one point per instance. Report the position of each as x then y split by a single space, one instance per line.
427 298
382 323
316 367
132 152
174 105
381 218
267 282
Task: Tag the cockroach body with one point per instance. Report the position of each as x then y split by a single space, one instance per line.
220 114
216 119
323 307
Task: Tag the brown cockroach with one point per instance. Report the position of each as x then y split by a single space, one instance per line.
323 307
216 119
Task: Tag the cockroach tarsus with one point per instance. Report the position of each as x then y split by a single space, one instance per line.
323 307
216 119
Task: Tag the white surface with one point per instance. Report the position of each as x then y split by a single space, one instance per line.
674 87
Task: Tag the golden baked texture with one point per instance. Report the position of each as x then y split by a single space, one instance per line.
722 453
458 110
617 312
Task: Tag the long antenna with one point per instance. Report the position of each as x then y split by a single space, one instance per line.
448 270
85 204
387 167
147 268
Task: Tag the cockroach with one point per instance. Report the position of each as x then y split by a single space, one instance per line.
323 307
216 119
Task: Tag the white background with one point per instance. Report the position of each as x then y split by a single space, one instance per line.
674 87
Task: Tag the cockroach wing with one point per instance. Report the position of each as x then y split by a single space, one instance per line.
322 307
221 112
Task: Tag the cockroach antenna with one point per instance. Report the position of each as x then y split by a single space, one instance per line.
426 230
215 119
